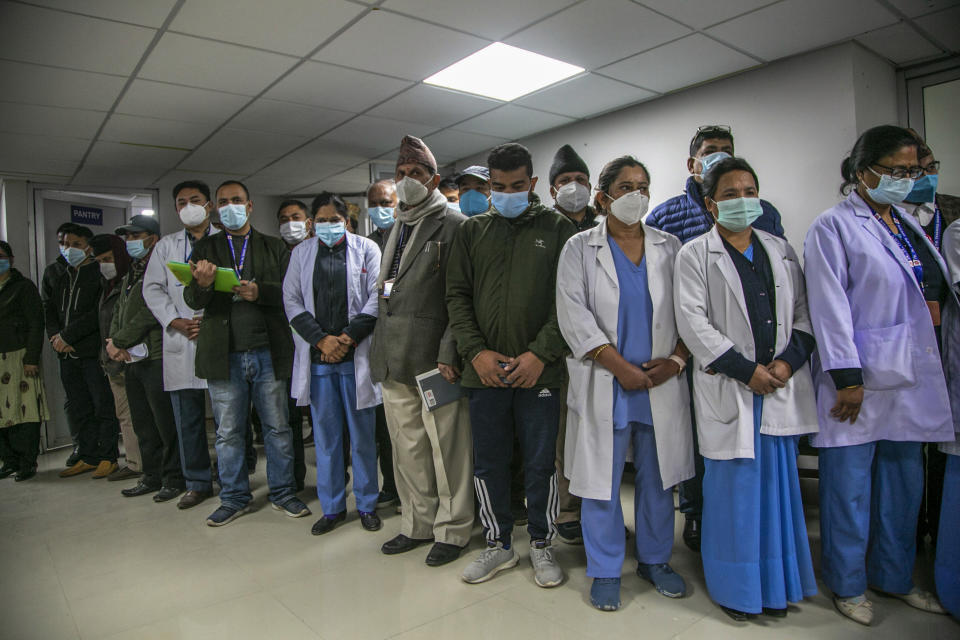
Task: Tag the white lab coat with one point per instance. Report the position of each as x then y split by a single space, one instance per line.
712 318
951 254
588 302
163 294
363 268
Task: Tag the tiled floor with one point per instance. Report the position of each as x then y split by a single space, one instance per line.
77 560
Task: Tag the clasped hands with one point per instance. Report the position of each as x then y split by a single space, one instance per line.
116 354
334 348
767 379
522 371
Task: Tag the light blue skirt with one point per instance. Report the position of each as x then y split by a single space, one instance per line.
754 541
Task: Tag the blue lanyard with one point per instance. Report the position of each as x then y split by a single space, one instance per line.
188 248
238 267
937 228
905 245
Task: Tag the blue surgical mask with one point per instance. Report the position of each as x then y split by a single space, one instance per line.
711 159
233 216
136 249
73 256
739 213
473 203
382 217
890 190
924 189
4 265
510 205
330 233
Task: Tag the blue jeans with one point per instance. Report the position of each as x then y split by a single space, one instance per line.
189 409
251 376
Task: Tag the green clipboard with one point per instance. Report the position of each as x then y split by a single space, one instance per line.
225 279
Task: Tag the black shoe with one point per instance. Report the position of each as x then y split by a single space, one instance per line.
167 493
6 471
442 553
74 458
402 544
26 474
326 524
370 521
739 616
141 489
775 613
691 534
386 498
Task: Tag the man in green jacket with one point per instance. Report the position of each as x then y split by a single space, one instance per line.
137 339
501 282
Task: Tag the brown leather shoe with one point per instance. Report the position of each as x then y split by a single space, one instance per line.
104 469
192 498
123 473
77 469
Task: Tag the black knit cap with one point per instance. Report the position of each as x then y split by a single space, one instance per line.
567 160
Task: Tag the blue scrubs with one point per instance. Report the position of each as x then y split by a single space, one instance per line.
333 401
869 502
754 542
947 567
602 520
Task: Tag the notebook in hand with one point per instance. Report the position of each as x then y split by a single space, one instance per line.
224 280
435 391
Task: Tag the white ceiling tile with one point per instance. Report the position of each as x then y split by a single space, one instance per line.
703 13
679 64
173 102
943 27
40 177
512 122
399 46
350 181
597 32
899 43
273 185
241 151
585 95
450 145
54 121
213 65
475 17
288 26
211 178
44 36
148 14
294 170
97 176
287 117
325 85
16 148
373 136
433 106
319 159
117 154
155 131
59 87
914 8
794 26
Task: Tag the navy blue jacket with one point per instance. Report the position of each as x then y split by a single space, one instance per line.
686 217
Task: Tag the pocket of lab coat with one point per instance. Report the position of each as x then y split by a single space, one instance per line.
577 387
715 396
886 357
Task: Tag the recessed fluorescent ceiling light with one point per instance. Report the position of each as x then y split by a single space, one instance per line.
503 72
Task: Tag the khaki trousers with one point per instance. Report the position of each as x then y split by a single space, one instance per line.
130 443
433 465
569 504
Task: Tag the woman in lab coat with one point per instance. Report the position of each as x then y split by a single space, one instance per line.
741 310
615 310
877 286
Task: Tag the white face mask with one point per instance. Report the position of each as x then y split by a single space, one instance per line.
108 270
573 197
630 208
294 231
411 192
192 214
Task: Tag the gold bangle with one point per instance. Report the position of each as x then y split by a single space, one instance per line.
596 354
853 386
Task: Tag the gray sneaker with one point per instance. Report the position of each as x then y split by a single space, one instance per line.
547 573
488 563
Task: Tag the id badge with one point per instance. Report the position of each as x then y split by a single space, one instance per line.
387 288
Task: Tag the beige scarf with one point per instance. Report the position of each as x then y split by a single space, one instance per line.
435 202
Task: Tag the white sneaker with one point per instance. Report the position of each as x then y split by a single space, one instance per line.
920 599
857 608
547 573
488 563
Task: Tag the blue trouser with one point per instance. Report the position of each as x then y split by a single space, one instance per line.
869 501
189 410
534 415
602 520
251 376
691 490
333 401
947 567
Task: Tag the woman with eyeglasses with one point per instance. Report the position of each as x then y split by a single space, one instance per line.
879 293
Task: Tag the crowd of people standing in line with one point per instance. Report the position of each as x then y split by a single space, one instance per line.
689 339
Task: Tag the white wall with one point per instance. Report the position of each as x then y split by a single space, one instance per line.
794 120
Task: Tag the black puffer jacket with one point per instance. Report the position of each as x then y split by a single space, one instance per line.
21 317
73 309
